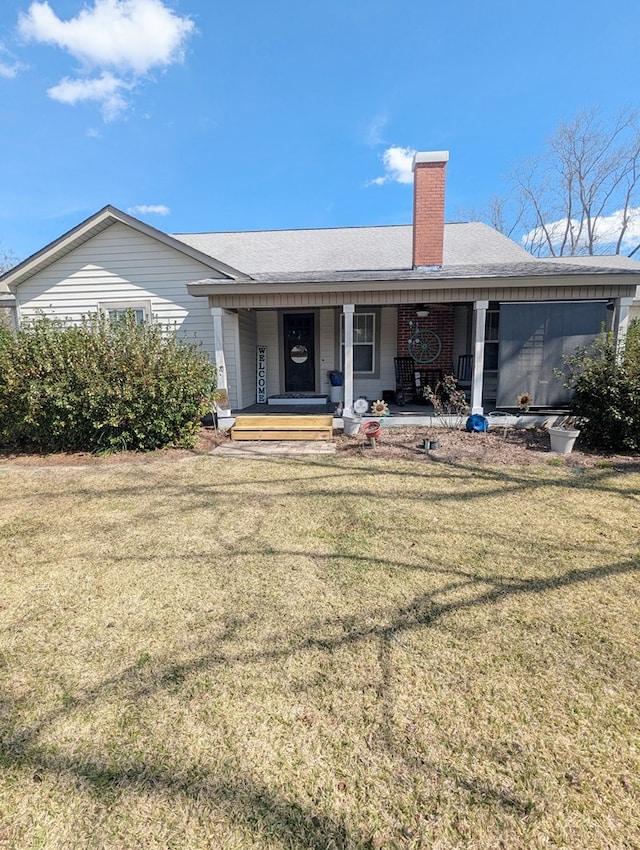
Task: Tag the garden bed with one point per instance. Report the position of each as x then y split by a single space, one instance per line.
511 446
499 446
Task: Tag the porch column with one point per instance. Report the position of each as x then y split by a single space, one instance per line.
224 407
347 312
621 323
479 324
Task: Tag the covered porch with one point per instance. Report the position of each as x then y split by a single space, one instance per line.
321 359
278 344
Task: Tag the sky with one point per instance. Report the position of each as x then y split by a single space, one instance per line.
199 115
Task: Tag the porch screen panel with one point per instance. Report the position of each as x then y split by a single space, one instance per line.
534 338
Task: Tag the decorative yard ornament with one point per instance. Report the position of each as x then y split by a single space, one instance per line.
524 401
380 408
424 345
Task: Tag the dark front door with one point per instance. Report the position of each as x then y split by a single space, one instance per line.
299 351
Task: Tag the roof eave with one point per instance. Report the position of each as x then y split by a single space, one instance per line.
286 287
95 225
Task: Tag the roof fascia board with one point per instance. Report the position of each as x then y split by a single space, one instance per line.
107 216
478 282
425 296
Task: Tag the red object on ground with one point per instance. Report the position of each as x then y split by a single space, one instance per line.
371 429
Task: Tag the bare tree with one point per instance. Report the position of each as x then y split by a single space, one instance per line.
7 260
582 194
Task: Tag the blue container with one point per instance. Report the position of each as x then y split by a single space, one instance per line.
477 422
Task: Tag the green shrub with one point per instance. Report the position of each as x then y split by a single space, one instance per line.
102 385
606 392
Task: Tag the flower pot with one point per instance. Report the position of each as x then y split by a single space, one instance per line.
562 439
372 429
337 393
351 424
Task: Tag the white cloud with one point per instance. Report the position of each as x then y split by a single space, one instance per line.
105 90
8 71
122 39
128 35
149 209
398 164
373 132
607 230
9 65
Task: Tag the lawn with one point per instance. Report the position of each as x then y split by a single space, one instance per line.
319 653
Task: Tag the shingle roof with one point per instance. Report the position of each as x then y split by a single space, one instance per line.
609 261
341 249
530 268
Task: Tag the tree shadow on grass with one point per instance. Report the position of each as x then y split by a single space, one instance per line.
236 794
452 483
237 797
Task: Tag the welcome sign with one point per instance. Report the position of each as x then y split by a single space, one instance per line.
261 374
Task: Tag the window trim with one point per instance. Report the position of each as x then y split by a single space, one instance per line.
492 343
106 307
375 343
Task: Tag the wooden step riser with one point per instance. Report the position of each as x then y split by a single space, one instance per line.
283 428
281 435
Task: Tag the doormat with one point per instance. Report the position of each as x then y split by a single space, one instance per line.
298 398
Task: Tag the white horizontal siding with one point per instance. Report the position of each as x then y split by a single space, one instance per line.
248 356
231 353
121 265
329 353
388 348
267 333
607 287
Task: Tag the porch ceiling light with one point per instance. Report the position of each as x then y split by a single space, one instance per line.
422 311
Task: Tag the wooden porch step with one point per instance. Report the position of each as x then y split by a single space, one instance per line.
282 428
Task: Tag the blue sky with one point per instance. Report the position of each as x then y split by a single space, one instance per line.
199 115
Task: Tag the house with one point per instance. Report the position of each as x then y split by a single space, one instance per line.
279 310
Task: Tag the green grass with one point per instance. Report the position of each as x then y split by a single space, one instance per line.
319 654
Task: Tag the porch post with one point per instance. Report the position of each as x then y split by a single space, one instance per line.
224 407
479 323
347 311
621 323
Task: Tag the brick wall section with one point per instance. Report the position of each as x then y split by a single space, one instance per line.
440 320
428 213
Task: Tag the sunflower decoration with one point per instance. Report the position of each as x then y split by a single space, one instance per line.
379 408
524 401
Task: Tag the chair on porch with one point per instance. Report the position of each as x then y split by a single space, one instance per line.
405 380
464 372
428 378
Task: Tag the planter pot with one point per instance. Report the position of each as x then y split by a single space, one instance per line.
337 393
372 429
562 439
351 424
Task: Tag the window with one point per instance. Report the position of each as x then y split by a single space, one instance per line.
116 309
364 335
491 339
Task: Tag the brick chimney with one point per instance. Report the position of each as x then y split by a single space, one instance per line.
428 207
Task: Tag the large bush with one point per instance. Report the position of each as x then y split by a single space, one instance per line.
606 392
102 385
